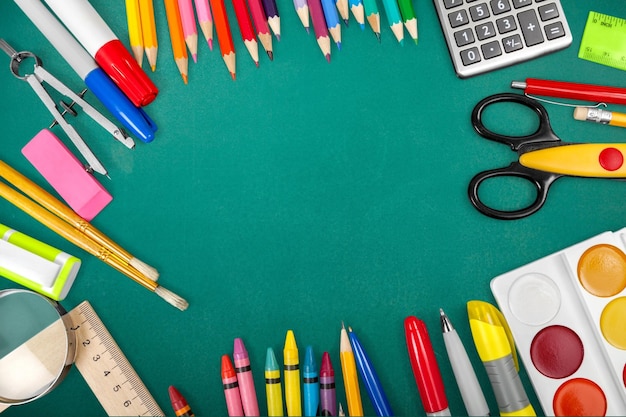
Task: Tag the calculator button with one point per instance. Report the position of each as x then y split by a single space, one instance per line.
470 56
448 4
458 18
485 31
491 50
530 27
548 12
506 24
500 6
521 3
554 30
512 43
479 12
464 37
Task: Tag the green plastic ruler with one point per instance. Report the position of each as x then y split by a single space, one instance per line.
604 40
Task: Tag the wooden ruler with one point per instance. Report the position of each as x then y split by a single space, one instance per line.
604 40
106 370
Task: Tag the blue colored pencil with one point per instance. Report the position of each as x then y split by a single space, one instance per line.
332 20
395 20
356 7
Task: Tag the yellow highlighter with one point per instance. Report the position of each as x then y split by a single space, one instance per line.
292 376
494 343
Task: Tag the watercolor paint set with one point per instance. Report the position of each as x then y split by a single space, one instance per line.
567 315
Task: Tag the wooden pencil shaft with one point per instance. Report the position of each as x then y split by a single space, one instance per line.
74 236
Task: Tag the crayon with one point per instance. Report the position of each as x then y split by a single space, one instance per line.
328 395
231 388
179 403
292 376
273 388
311 383
245 379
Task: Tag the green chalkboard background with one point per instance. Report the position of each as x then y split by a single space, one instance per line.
301 195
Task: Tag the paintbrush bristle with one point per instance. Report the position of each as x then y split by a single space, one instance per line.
145 269
175 300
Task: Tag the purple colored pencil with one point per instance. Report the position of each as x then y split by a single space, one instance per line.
245 380
328 397
273 18
302 9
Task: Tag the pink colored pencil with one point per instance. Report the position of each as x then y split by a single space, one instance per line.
319 27
231 388
244 377
262 27
205 20
246 29
190 31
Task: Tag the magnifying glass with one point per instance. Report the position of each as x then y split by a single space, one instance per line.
37 346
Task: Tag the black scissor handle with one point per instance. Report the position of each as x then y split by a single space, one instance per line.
543 133
541 181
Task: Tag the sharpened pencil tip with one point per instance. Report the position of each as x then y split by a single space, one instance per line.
328 57
307 29
185 78
233 76
195 57
153 68
271 55
339 46
175 300
256 63
278 38
378 36
346 21
210 42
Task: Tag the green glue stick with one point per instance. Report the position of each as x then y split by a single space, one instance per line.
36 265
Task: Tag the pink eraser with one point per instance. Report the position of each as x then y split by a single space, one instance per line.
80 190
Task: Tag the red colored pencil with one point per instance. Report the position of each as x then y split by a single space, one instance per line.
246 29
224 35
319 27
262 27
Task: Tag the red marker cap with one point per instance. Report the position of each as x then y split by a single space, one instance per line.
424 364
121 67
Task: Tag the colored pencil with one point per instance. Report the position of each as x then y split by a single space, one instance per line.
319 27
344 10
373 16
332 21
302 9
246 29
224 35
190 31
205 20
393 17
148 29
409 18
262 26
350 376
356 7
179 49
135 36
273 18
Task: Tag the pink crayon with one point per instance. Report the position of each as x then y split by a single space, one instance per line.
244 377
231 388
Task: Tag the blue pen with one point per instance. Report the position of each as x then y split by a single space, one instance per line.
332 20
311 383
132 117
370 378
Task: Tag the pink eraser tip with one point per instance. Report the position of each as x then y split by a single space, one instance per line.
66 174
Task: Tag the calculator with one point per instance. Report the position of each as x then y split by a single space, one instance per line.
484 35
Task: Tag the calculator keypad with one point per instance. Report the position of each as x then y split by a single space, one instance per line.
484 35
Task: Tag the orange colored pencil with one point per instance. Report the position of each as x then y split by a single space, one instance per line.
177 37
224 35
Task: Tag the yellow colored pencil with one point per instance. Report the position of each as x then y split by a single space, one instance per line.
350 377
148 30
177 37
293 397
135 35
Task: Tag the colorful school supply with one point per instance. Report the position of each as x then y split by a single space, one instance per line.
245 379
319 27
80 17
328 393
356 7
566 314
148 30
569 90
135 35
425 368
273 17
542 158
133 118
224 35
273 387
332 21
66 174
36 265
392 11
190 31
231 388
205 20
179 404
496 349
372 15
177 38
246 29
310 383
344 10
291 360
605 117
302 10
409 18
604 40
262 26
350 376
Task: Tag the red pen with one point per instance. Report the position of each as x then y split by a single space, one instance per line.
425 368
576 91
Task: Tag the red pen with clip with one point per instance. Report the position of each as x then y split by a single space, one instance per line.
576 91
425 368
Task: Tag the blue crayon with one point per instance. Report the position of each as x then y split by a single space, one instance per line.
332 20
311 383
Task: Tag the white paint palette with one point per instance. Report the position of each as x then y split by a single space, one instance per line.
567 314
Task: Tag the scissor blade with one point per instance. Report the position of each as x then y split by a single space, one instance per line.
600 160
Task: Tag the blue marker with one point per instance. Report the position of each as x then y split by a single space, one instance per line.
132 117
332 20
311 383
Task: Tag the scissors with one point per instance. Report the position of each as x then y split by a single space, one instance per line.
542 158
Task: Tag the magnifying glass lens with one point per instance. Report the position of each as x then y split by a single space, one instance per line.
34 346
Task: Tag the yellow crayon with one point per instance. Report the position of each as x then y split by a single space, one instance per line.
273 389
292 376
350 377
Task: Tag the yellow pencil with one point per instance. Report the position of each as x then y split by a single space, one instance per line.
177 37
134 29
148 30
606 117
350 377
292 376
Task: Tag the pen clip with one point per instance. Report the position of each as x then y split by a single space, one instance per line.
560 103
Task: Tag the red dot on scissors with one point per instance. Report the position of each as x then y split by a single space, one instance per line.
611 159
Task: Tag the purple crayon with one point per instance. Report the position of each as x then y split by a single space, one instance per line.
328 399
